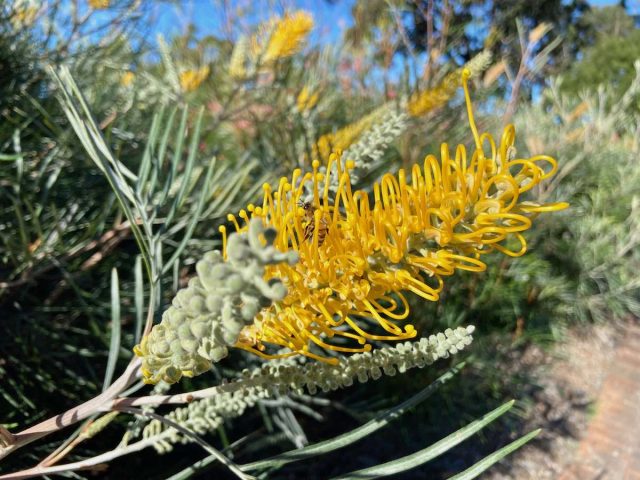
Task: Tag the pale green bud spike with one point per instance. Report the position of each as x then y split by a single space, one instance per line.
207 317
283 376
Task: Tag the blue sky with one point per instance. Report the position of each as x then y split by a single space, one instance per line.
208 16
331 18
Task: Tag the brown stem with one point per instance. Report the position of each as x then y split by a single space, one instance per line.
75 414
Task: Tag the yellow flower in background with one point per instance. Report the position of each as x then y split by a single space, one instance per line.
307 99
361 255
288 36
418 104
24 15
238 58
190 80
343 138
99 4
424 102
127 78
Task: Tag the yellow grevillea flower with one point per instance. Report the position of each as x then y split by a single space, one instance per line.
307 99
99 4
359 256
288 36
428 100
127 78
190 80
418 104
343 138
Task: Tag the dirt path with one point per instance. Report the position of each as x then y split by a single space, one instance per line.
610 450
588 403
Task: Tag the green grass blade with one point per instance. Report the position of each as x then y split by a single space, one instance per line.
162 151
488 461
139 299
95 146
114 346
145 164
359 433
186 175
195 218
230 193
422 456
177 155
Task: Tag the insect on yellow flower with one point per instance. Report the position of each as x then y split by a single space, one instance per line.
418 227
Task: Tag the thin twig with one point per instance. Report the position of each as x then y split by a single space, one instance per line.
89 462
180 398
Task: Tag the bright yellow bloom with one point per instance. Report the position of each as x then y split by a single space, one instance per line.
307 99
288 36
99 4
190 80
366 253
127 78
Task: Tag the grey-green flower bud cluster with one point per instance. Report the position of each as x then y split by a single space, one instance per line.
370 148
287 375
479 63
368 365
203 416
206 317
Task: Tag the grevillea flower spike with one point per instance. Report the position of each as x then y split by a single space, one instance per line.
360 254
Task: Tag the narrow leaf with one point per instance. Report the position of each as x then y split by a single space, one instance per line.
423 456
139 299
114 347
196 216
348 438
487 462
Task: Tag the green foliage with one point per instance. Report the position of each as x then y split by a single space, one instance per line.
116 170
608 62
